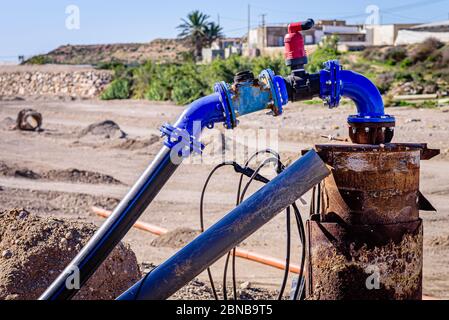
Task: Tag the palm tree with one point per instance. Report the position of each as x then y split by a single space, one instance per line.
199 30
213 32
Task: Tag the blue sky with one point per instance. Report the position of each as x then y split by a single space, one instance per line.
31 27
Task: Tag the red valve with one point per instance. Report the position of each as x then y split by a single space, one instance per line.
295 52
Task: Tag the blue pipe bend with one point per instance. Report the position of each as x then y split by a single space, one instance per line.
335 83
202 113
363 92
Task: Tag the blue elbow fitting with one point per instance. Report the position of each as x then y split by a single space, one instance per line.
200 114
370 125
337 83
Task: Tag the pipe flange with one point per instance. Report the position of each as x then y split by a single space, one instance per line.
331 84
374 133
278 90
230 118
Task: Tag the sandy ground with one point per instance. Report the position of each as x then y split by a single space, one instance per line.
61 147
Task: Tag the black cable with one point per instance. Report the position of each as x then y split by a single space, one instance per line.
209 272
225 290
300 284
254 175
263 164
287 256
234 281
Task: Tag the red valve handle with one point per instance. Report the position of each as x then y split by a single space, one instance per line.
295 53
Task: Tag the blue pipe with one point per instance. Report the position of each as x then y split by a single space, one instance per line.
202 113
335 83
363 92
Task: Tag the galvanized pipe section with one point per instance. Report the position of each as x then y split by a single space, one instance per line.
367 241
235 227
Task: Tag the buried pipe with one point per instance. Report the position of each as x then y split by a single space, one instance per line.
231 230
241 253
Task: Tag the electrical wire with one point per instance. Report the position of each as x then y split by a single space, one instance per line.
242 196
300 285
254 175
209 273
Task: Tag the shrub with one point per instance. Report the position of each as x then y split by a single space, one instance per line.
40 59
187 81
422 51
407 62
118 89
327 50
395 55
384 81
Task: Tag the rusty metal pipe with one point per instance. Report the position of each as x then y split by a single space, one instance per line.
367 240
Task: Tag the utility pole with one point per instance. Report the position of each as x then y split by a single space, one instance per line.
218 19
264 30
249 18
263 19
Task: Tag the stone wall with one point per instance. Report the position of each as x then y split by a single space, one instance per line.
52 81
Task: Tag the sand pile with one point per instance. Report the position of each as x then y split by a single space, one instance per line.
33 251
107 129
68 175
177 238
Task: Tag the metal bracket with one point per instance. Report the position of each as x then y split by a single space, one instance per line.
175 136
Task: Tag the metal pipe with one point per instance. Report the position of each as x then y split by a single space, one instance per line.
235 227
363 92
115 227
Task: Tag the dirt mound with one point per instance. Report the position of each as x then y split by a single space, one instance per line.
177 238
12 171
107 129
80 176
48 203
69 175
198 290
135 144
33 251
129 53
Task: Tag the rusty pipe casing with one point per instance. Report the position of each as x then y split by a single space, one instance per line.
367 240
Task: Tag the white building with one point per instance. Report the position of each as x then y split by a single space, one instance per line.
419 33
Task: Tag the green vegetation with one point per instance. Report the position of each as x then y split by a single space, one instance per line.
183 82
118 89
395 70
327 50
39 60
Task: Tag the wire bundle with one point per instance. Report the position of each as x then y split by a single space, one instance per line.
254 175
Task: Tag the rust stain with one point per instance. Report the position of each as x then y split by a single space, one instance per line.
340 269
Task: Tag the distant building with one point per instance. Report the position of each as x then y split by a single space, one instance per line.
419 33
269 40
222 49
385 34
